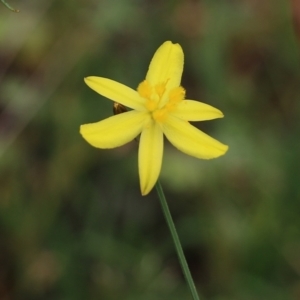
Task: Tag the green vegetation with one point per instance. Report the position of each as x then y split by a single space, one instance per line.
73 224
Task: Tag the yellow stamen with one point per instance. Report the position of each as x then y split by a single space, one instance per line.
176 95
154 95
160 89
144 89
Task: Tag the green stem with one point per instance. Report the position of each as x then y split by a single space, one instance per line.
9 7
182 260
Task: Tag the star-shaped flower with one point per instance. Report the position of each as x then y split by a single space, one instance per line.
158 108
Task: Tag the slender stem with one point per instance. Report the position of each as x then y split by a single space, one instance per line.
9 7
182 260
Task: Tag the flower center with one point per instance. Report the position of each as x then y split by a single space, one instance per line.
159 100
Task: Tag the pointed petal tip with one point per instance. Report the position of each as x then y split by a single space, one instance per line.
89 79
81 129
216 152
218 113
222 151
146 190
144 193
226 148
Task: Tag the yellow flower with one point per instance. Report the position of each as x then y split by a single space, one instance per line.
158 107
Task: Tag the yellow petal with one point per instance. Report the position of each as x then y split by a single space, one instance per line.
114 131
191 140
116 91
166 66
150 156
190 110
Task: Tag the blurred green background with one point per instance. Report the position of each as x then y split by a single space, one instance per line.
73 224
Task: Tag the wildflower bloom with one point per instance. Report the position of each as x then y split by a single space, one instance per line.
158 108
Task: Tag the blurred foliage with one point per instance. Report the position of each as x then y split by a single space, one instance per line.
73 224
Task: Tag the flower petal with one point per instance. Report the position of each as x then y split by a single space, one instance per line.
191 140
150 156
166 65
116 91
114 131
191 110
